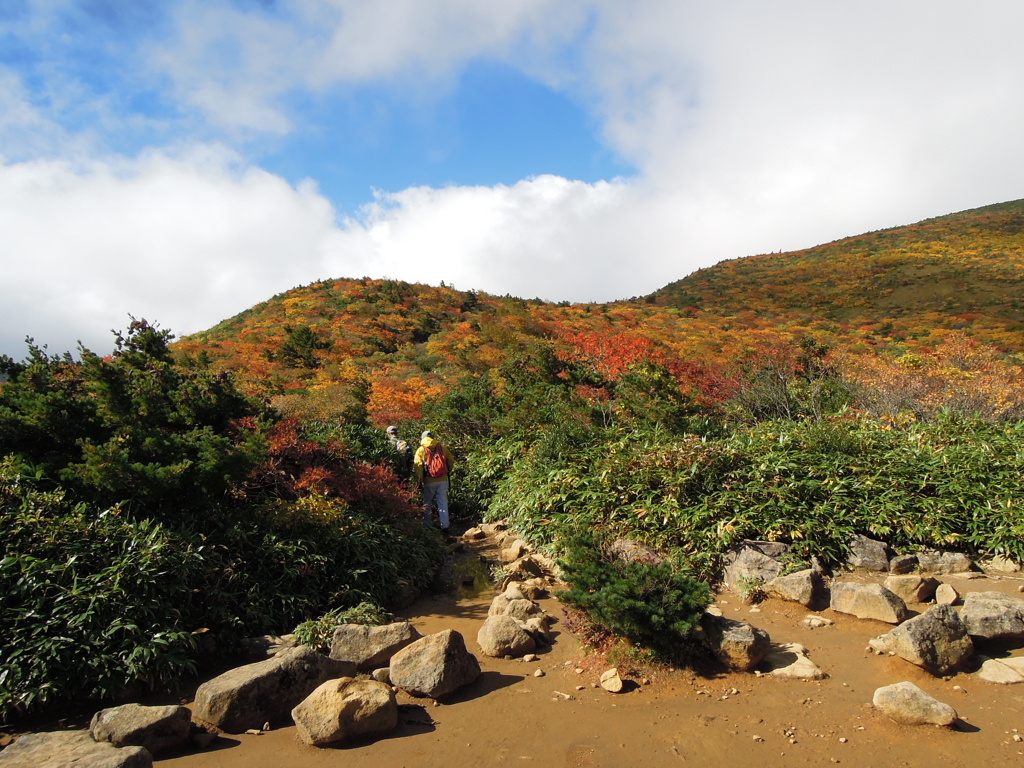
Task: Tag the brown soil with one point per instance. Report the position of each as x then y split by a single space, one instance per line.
669 717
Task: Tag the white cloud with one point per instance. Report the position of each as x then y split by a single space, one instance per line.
754 127
236 66
184 241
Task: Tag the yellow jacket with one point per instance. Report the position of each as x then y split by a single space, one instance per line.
420 457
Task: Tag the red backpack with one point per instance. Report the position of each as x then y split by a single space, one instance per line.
434 462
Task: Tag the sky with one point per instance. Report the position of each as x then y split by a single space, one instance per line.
183 160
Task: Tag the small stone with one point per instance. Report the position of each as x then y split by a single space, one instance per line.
758 738
530 657
254 732
843 739
538 673
581 687
579 670
611 681
1017 737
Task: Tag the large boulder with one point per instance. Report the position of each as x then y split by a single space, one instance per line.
912 588
868 554
265 692
738 645
158 729
435 665
936 641
344 709
516 607
502 635
868 601
993 616
371 647
909 705
754 562
60 749
934 561
805 587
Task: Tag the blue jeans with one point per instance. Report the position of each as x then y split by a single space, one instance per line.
436 492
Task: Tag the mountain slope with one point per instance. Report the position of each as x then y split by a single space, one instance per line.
953 271
391 344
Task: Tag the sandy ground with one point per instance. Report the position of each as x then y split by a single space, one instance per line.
678 718
510 717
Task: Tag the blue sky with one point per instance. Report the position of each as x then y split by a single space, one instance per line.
183 160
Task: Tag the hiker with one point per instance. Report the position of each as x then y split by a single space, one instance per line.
432 463
403 449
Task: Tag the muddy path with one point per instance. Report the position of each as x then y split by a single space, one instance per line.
667 717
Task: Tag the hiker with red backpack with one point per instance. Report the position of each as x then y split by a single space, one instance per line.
432 463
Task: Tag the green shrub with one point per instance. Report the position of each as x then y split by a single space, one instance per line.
132 429
657 605
95 602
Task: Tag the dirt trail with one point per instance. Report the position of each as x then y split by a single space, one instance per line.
680 718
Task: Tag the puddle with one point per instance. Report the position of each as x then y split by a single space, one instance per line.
472 578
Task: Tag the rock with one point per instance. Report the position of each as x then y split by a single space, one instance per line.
934 561
945 594
611 681
265 647
1002 564
202 739
61 749
868 554
158 729
815 622
909 705
344 709
936 641
474 534
534 589
754 561
249 696
525 568
502 636
513 592
382 675
435 665
523 609
738 645
903 564
805 587
993 616
490 529
790 662
868 601
539 627
499 604
371 647
1008 671
630 551
513 551
912 589
538 673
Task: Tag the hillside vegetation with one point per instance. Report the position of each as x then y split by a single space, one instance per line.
871 386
